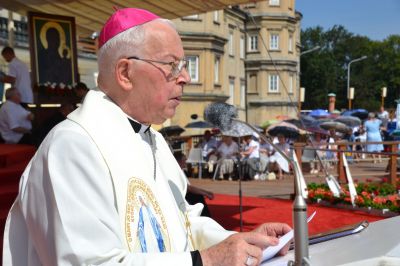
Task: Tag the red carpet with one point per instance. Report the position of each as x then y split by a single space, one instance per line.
225 210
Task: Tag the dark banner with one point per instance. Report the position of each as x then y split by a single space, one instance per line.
53 55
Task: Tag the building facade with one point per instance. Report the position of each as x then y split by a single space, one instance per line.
244 55
247 56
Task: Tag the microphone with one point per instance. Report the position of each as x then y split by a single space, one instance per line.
222 116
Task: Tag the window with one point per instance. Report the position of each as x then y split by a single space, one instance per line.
274 2
274 42
194 17
290 45
216 16
291 80
273 83
193 68
231 90
253 43
231 47
216 70
242 94
242 46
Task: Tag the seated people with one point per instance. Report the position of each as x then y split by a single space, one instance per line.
277 161
209 147
227 153
317 143
251 157
15 121
265 151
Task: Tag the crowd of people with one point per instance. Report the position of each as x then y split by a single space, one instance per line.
376 128
247 157
228 157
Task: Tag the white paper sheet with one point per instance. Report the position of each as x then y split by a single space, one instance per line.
271 251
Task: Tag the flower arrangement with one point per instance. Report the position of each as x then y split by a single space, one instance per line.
370 195
54 89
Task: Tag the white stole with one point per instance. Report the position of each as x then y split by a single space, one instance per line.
131 169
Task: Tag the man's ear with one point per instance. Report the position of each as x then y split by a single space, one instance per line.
122 74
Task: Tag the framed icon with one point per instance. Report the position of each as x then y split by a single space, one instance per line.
53 55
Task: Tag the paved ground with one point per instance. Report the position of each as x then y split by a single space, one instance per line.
360 171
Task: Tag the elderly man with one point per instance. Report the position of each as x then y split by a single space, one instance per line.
18 75
15 121
81 198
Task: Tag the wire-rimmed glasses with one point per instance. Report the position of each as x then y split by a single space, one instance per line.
176 67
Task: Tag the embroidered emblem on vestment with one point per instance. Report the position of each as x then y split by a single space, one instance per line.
145 226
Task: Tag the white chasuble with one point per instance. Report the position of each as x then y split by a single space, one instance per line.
93 195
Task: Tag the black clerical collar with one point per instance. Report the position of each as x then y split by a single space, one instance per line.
137 127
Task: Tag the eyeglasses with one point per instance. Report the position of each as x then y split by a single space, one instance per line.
176 67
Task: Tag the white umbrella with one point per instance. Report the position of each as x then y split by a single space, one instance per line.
238 130
351 121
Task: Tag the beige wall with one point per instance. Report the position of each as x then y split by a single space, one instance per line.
284 22
208 39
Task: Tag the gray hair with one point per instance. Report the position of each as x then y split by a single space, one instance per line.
371 115
125 44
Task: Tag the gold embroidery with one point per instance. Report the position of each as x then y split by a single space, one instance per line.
138 188
189 230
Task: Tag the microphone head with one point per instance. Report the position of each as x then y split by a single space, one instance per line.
220 115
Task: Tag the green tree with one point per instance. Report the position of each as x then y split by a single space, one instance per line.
326 70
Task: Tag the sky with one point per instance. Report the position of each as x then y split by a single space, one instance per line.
376 19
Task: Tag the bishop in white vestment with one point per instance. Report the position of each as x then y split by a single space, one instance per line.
104 188
79 201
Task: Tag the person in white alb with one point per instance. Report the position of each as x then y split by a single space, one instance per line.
18 75
15 121
228 153
104 187
251 156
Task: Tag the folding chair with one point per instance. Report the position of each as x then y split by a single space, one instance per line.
195 158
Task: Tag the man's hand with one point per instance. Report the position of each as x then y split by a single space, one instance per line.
275 230
235 250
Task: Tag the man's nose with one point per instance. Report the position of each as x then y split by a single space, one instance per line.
184 77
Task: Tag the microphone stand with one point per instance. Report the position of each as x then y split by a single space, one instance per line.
299 208
240 165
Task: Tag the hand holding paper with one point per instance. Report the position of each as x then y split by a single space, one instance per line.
271 251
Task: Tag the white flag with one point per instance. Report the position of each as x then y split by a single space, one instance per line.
333 186
352 188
